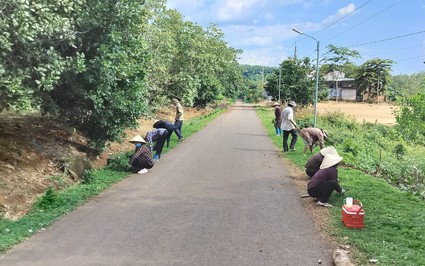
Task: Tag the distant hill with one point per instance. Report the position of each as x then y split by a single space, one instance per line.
255 73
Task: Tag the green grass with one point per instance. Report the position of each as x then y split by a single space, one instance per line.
394 230
54 204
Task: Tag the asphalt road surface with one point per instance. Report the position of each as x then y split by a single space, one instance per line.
221 197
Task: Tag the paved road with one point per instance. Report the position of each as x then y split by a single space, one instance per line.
222 197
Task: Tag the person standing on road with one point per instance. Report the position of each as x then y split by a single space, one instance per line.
141 160
325 181
313 164
170 127
178 123
289 126
277 118
311 136
158 135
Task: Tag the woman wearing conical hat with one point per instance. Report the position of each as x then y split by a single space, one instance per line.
142 159
313 164
277 118
325 181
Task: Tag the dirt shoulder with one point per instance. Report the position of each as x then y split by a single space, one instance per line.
33 149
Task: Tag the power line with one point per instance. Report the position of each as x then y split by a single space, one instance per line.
410 58
327 26
369 18
388 39
399 49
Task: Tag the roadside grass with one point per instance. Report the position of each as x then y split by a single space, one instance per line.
54 204
394 232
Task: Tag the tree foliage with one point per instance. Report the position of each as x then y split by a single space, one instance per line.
254 78
403 87
101 64
373 76
411 118
297 81
33 35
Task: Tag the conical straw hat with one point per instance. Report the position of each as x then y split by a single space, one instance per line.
330 160
137 139
329 150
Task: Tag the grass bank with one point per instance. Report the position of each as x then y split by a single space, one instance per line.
54 204
394 232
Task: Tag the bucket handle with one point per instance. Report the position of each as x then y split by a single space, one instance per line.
360 204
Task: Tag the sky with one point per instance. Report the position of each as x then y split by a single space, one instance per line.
385 29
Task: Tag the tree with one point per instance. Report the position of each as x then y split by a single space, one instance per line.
411 119
373 76
297 81
337 61
403 87
101 64
33 37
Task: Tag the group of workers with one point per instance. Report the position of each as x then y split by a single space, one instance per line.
321 167
149 149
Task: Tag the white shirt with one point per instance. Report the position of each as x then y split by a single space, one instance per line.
287 116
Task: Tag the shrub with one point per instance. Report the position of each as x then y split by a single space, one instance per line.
49 199
119 162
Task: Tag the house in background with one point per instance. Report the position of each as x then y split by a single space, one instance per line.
345 91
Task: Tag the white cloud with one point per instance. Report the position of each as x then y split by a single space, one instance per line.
226 10
264 56
258 36
341 12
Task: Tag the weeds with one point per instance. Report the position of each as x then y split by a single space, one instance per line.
394 218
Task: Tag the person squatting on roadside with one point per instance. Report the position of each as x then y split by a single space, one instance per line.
277 118
313 164
325 181
170 127
157 135
141 160
311 136
178 123
289 126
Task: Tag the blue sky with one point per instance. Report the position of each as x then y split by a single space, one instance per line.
263 28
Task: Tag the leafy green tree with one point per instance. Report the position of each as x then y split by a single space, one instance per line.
403 87
190 61
297 81
373 76
102 64
411 119
33 37
110 94
272 84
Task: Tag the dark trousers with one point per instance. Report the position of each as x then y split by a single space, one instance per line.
170 129
139 164
323 190
178 124
294 135
159 145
